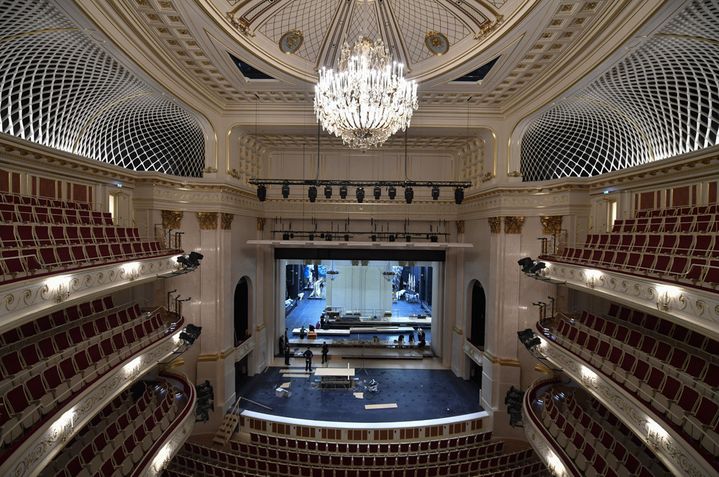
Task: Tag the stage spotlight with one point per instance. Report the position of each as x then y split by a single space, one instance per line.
285 236
526 263
347 237
435 193
285 190
328 237
194 259
312 237
261 192
328 192
377 192
391 237
312 193
537 267
408 194
458 195
343 191
525 335
408 238
432 238
373 237
360 194
391 192
190 334
182 260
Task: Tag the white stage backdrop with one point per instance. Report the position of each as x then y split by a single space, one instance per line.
360 288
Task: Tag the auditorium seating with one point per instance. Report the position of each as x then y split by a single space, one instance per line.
591 437
670 369
40 236
45 362
679 245
198 459
115 441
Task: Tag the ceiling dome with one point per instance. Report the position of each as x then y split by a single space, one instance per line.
300 36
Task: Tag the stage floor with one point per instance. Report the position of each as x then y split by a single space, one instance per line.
420 394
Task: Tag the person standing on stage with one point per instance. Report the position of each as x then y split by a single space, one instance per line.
287 354
325 352
308 359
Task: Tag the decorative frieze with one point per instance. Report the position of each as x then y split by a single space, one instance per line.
474 353
260 224
460 226
544 449
171 219
513 224
551 224
495 224
226 221
207 220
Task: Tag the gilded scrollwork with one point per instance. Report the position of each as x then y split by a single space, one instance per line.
171 219
513 224
226 221
207 220
495 224
551 224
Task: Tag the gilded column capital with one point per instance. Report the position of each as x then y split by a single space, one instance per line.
207 220
171 219
495 224
226 221
551 224
460 226
513 224
260 224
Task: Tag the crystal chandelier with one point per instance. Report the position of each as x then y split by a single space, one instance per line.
367 99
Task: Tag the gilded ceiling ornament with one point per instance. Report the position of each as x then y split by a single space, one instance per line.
460 226
260 224
291 41
171 219
226 221
207 220
495 224
436 42
513 224
551 224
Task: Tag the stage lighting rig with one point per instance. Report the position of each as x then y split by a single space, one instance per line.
458 195
262 192
435 192
312 193
408 194
537 267
392 192
343 191
285 190
526 263
377 192
359 193
328 192
190 334
513 400
529 339
191 261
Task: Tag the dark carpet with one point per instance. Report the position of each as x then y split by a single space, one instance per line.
419 393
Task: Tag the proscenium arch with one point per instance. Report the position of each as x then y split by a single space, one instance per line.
241 328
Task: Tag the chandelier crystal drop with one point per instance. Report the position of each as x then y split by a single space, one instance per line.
367 99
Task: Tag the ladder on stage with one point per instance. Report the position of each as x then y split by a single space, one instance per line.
228 426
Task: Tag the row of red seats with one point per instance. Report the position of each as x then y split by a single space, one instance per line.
125 431
372 448
56 319
371 460
16 213
669 243
490 466
61 364
597 447
13 198
682 405
684 210
40 235
699 223
665 328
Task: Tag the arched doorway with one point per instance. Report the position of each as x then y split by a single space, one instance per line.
242 311
478 318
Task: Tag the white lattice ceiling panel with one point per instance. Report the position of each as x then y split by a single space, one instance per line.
59 89
660 101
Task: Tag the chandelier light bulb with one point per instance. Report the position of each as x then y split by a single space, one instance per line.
367 99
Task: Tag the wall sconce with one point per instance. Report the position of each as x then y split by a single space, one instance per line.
592 277
59 287
131 271
664 297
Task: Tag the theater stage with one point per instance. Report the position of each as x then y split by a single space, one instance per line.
420 394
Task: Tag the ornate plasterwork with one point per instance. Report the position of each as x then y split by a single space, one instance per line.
474 353
171 219
495 224
460 226
696 308
513 224
678 455
551 224
207 220
541 445
48 440
260 224
226 221
32 297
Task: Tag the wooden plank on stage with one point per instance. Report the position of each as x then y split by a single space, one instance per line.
335 372
286 385
358 395
295 371
392 405
295 375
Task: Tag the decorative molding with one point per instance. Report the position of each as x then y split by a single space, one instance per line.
207 220
474 353
27 299
692 307
457 330
460 226
260 224
513 224
37 451
226 220
541 445
172 219
679 456
551 224
501 361
495 224
171 446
